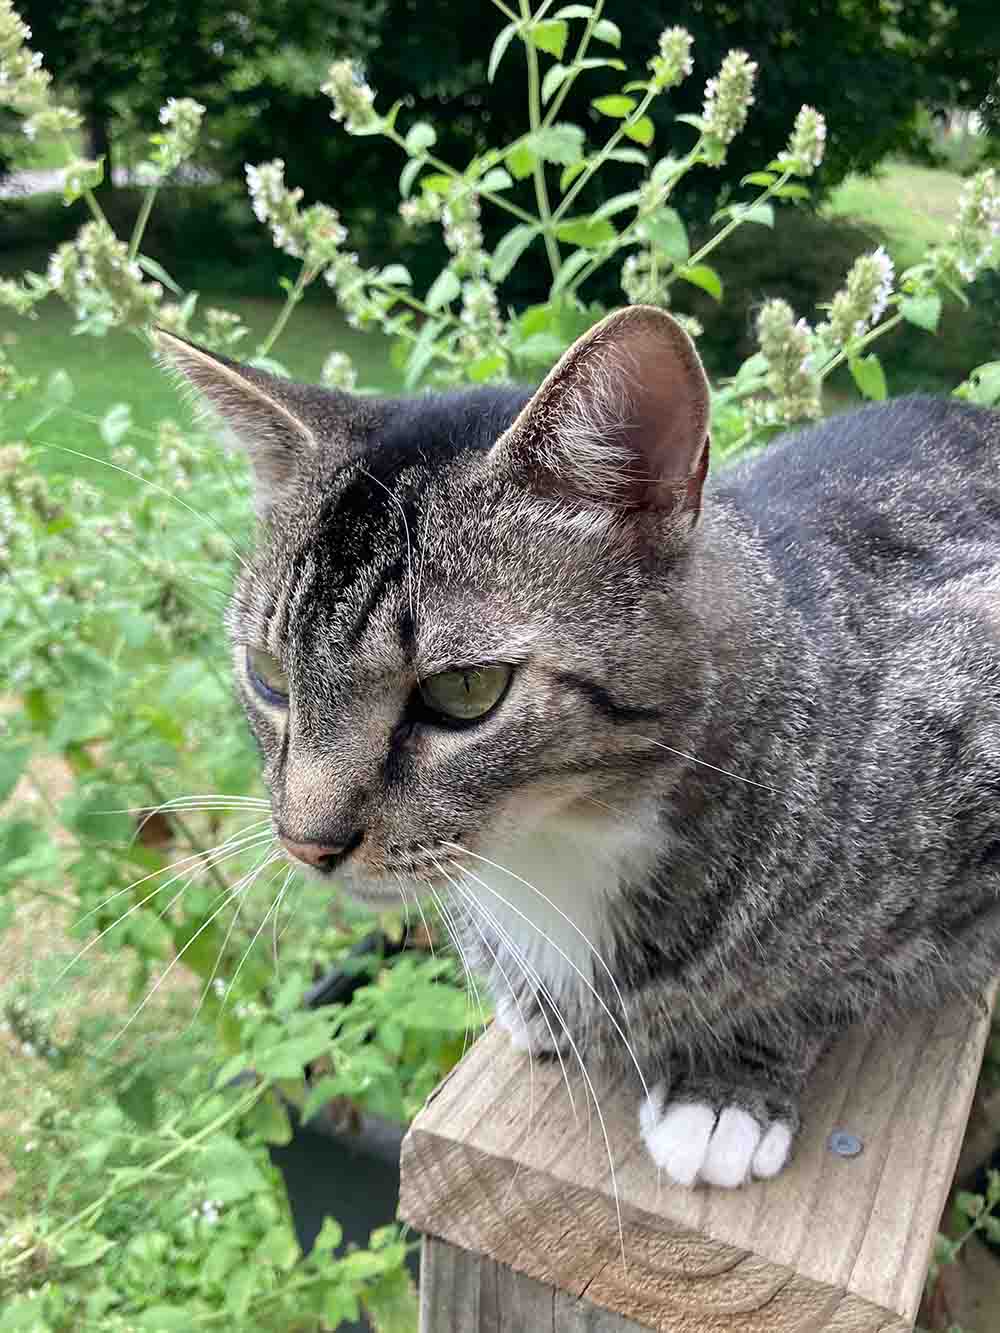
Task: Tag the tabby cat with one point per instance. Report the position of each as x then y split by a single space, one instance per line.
704 769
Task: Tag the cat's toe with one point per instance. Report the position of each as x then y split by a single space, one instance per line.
694 1142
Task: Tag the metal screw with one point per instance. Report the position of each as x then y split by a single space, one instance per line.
844 1144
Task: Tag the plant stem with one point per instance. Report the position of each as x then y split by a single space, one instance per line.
596 163
138 231
93 1209
571 77
496 199
535 121
306 276
89 198
848 352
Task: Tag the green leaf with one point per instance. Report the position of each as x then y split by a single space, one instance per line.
612 207
760 213
549 35
635 155
924 311
554 78
509 250
667 234
569 175
983 385
496 180
269 1119
575 12
486 367
606 31
791 191
228 1171
138 1100
330 1235
700 275
444 289
586 231
642 131
521 159
13 762
562 143
96 810
59 389
503 39
421 353
759 178
419 138
82 1248
397 274
696 122
868 376
158 272
408 175
116 422
162 1319
970 1204
570 267
615 105
18 837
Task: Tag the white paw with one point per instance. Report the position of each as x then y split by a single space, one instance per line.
692 1142
536 1035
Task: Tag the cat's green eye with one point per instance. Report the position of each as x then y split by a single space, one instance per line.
467 692
268 676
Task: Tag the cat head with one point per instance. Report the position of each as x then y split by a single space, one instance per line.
468 614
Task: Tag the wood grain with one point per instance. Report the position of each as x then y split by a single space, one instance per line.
497 1164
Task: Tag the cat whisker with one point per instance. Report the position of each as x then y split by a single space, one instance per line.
516 1002
246 953
456 938
155 485
136 906
245 882
209 859
532 973
534 982
565 956
702 763
465 851
274 924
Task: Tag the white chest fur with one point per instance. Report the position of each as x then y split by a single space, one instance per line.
551 893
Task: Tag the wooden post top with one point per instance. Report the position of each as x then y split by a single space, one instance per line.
497 1164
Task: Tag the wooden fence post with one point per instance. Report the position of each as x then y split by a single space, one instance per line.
515 1196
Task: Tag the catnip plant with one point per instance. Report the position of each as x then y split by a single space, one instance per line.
161 1209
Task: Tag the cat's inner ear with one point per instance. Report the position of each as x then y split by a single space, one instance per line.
256 408
621 421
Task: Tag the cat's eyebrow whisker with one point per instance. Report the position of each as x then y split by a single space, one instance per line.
178 956
505 938
423 554
465 851
565 956
154 485
260 837
703 763
406 530
210 858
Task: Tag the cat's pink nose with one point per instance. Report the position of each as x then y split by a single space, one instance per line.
321 856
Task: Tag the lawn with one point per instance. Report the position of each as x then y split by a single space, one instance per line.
120 368
905 206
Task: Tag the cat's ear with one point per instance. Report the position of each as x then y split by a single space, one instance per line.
258 408
621 421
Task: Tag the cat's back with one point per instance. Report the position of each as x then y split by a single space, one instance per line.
878 500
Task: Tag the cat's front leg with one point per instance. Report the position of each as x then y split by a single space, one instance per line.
533 1024
733 1124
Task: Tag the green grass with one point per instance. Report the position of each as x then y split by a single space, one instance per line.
906 207
119 368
